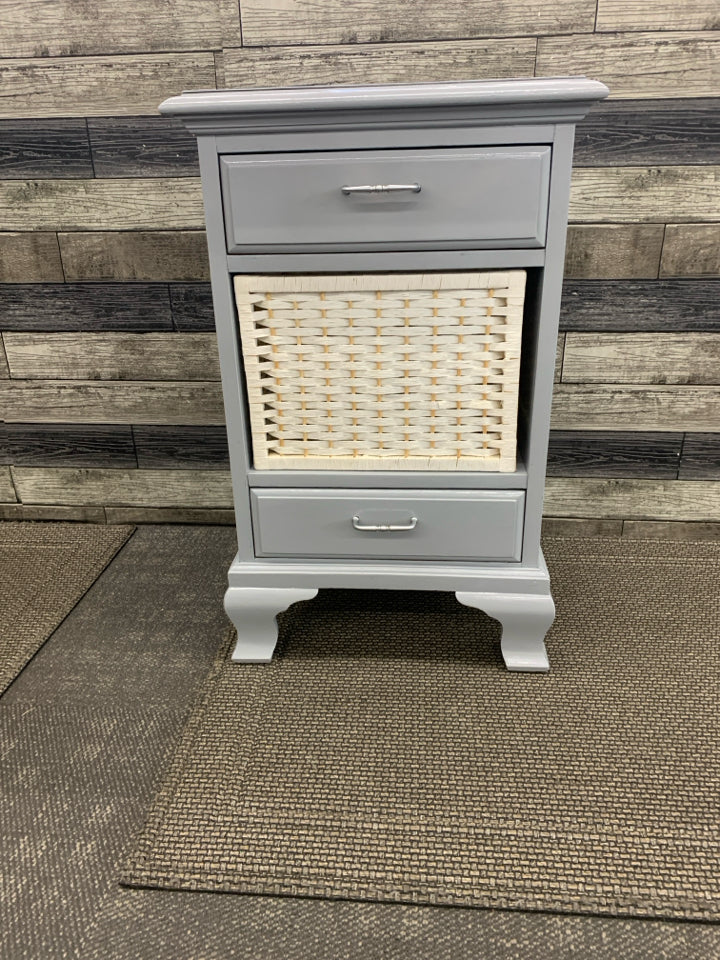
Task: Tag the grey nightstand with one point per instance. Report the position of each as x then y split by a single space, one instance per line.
388 426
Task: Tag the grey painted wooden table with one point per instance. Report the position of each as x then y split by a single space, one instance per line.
436 178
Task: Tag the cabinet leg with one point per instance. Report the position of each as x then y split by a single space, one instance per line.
525 619
253 611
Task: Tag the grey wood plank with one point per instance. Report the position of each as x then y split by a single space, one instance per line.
141 488
103 401
633 499
633 407
44 149
66 445
643 132
613 251
190 515
142 147
192 306
627 306
636 358
572 527
379 63
7 489
638 65
671 530
691 250
286 22
700 457
25 511
660 15
92 307
99 86
188 447
30 258
605 453
135 255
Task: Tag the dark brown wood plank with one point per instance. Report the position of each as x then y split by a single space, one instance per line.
31 511
613 251
641 132
43 149
91 307
30 258
575 453
192 307
142 147
188 447
632 306
135 255
66 445
691 250
700 456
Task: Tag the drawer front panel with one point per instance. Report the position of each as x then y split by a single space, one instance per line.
468 197
449 525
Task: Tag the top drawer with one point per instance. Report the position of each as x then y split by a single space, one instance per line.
467 198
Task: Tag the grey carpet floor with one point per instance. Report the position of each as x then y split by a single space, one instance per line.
85 733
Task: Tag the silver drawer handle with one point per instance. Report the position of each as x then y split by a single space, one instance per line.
410 525
382 188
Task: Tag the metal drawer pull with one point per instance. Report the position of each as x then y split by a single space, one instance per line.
382 188
410 525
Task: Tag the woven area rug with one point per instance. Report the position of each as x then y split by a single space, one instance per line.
45 569
385 754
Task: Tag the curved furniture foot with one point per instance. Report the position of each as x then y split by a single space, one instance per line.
253 611
525 619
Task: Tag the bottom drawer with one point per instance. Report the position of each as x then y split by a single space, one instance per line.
448 525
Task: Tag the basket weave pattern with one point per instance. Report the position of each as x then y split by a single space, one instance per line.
383 371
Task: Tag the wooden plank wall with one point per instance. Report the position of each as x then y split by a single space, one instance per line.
109 384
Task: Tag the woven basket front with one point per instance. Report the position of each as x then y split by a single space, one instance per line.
382 371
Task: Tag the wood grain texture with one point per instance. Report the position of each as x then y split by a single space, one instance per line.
559 358
635 407
66 445
633 499
614 454
649 132
30 258
379 63
671 530
638 65
100 86
4 368
192 307
287 22
99 401
91 307
135 255
44 149
691 250
191 515
181 447
22 511
645 193
659 15
627 306
152 488
700 457
101 204
112 356
613 251
142 147
572 527
7 490
633 358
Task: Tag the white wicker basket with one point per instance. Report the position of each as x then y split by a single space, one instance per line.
382 371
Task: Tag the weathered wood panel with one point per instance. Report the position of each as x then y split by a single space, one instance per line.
648 132
633 499
4 368
691 250
645 193
658 15
30 258
22 511
572 527
559 358
632 358
613 251
614 454
181 447
631 407
7 490
135 255
152 488
101 204
112 356
100 86
268 22
627 306
192 515
700 456
641 65
100 401
192 306
142 147
379 63
44 149
65 445
670 530
91 307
